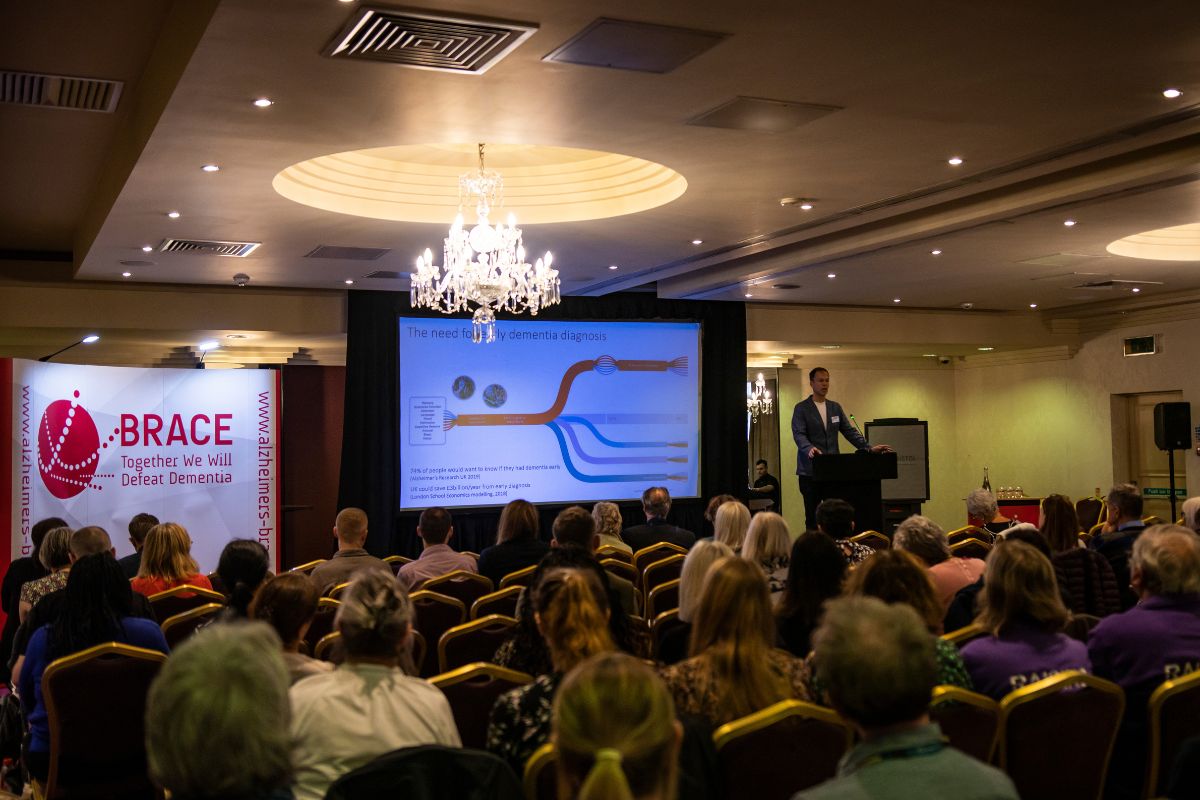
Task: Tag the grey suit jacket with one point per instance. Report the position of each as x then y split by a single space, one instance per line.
808 431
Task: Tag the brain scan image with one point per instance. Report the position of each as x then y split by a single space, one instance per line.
463 387
495 395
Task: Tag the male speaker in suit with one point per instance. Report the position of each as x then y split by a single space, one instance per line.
816 422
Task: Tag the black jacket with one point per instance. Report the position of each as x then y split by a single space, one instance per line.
657 530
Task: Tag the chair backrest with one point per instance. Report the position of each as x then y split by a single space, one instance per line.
179 627
396 562
970 548
465 586
656 552
472 691
609 551
335 592
540 780
1174 709
520 577
322 623
432 772
416 652
180 599
308 566
786 747
970 532
1088 510
1056 735
503 601
965 634
622 569
473 641
662 598
971 721
1152 520
1079 626
434 614
872 539
330 648
96 707
661 571
664 622
1094 530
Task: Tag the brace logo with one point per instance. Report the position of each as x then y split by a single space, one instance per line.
68 448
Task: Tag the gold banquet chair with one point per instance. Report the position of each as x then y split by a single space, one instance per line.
179 627
459 584
180 599
433 615
473 641
541 782
1174 712
471 691
971 721
502 601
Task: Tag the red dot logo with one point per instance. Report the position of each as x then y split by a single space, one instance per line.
68 448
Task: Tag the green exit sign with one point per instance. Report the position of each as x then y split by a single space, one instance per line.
1162 491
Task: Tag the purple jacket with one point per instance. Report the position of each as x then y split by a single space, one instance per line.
1019 657
1156 640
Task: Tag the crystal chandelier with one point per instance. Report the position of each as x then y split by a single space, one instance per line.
485 267
758 399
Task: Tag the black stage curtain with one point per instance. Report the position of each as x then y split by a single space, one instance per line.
370 439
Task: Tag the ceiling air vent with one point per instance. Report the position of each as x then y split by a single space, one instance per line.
201 247
59 91
762 115
424 40
347 253
387 275
638 46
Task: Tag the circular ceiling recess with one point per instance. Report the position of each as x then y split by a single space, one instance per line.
419 183
1179 243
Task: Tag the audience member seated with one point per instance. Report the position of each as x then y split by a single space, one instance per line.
517 544
835 518
765 486
1023 612
769 545
575 527
288 603
1191 514
571 609
21 571
350 529
167 561
885 696
710 512
367 706
435 529
242 567
608 526
926 540
656 504
55 555
895 576
217 718
673 647
734 669
965 605
1115 540
730 524
96 609
981 505
616 734
815 575
1084 576
139 526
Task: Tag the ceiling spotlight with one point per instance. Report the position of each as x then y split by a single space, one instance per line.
929 355
126 274
173 214
612 266
241 279
806 206
966 306
697 241
935 252
1171 93
1033 305
985 349
1135 290
264 102
209 344
1070 223
749 295
90 338
349 282
895 299
211 168
831 275
147 248
954 162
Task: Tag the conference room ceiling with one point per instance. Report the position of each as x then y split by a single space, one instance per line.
1056 109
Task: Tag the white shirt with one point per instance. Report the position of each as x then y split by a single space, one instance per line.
345 718
820 404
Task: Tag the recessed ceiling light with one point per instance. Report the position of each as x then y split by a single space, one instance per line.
1135 290
985 349
264 102
612 266
173 214
1070 223
935 252
895 299
929 355
147 248
697 241
1171 93
954 162
1033 305
126 274
831 275
349 282
749 295
806 206
211 168
236 336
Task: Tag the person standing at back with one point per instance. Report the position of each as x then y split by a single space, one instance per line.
350 528
656 503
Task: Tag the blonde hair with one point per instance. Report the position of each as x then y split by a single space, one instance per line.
699 560
614 729
167 553
518 522
1019 587
767 539
608 518
730 524
572 613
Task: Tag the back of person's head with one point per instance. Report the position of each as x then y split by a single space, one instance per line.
767 539
1020 589
730 524
168 553
1028 533
1191 514
351 526
656 501
607 517
574 526
518 522
895 576
615 732
876 661
218 716
88 541
922 537
1167 560
97 597
710 511
815 573
55 552
139 526
836 518
374 616
700 558
287 603
1127 499
1060 523
242 566
981 504
572 612
434 525
37 534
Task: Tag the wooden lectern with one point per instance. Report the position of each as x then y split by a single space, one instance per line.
855 477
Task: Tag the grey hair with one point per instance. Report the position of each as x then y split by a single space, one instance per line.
56 548
981 504
1191 513
922 537
1169 559
608 518
767 538
700 558
374 616
218 716
730 523
895 683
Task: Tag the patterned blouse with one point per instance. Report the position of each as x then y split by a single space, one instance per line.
777 573
520 720
951 671
696 692
854 552
33 591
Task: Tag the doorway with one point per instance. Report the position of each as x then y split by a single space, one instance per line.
1137 460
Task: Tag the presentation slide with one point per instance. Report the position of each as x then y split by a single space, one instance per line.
551 412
